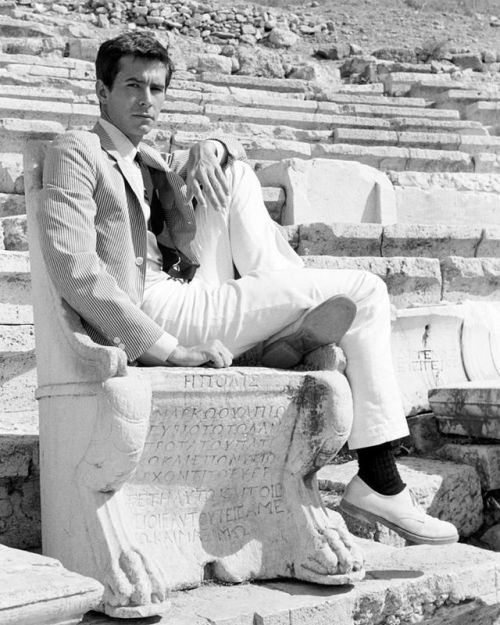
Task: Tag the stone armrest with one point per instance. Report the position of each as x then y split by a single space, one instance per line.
107 361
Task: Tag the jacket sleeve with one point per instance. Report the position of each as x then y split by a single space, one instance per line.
67 221
235 152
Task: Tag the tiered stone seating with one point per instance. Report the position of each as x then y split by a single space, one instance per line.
444 246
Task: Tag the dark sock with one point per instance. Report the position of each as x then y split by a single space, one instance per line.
377 468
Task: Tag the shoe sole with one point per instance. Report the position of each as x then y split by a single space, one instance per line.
324 324
370 517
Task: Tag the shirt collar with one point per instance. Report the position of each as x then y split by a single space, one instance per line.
125 148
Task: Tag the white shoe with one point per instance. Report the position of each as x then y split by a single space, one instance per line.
399 512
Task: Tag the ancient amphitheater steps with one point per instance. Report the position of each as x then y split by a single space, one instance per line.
440 197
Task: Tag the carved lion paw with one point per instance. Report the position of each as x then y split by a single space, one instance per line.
331 556
134 586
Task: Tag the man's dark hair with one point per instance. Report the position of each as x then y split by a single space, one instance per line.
136 44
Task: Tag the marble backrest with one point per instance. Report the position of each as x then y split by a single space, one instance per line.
65 353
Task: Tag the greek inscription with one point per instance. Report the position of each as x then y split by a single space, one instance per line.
428 360
222 381
227 523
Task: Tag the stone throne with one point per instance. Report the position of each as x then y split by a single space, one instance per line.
155 479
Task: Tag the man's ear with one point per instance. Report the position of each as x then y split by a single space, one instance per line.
101 91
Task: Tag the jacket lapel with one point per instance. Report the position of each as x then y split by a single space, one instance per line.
108 146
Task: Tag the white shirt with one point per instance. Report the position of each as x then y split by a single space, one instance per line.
127 152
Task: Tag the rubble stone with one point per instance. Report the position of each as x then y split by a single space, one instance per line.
283 38
484 458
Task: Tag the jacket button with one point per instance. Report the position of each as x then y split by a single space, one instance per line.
117 340
121 345
139 260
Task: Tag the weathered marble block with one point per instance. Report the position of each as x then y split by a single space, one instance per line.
309 186
217 491
35 590
468 409
426 349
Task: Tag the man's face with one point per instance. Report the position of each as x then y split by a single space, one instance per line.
134 101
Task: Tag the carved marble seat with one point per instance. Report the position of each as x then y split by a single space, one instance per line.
157 479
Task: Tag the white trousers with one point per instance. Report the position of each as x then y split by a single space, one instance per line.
273 292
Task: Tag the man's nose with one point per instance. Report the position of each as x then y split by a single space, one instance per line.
145 97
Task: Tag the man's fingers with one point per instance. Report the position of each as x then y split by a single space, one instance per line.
219 356
219 188
222 180
197 192
211 188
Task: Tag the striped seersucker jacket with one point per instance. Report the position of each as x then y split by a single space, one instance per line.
93 234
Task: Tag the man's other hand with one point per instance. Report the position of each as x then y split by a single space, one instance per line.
214 354
205 179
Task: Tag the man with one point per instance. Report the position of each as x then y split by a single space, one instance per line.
145 250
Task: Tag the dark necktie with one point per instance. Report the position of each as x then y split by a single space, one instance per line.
146 178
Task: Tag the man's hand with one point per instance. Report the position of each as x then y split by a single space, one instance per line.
214 353
205 179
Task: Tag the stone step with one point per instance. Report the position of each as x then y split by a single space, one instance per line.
268 148
429 86
273 143
488 113
11 27
459 99
37 589
435 141
409 281
17 368
322 119
252 82
13 205
468 409
47 73
426 85
32 45
346 239
45 61
243 97
436 205
470 278
243 127
430 580
409 240
77 115
15 286
425 281
14 132
401 159
447 198
447 490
